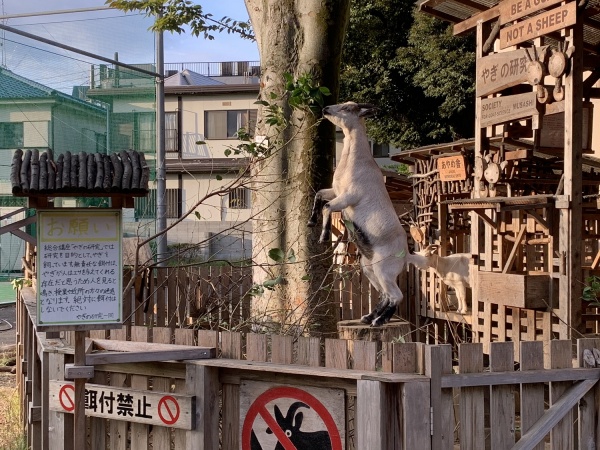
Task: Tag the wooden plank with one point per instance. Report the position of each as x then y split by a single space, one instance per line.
364 355
438 362
502 411
61 436
282 349
475 20
309 351
375 418
472 437
336 353
150 355
161 436
544 23
183 336
203 382
417 416
588 407
554 415
499 71
139 431
208 338
231 348
515 9
183 285
513 251
507 108
561 437
118 429
532 394
256 347
172 297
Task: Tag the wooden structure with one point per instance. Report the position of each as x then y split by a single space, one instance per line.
526 207
395 396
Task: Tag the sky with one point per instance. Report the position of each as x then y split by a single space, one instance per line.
106 33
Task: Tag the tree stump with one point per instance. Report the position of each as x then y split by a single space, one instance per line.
358 331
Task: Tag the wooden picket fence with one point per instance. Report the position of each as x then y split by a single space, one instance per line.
396 396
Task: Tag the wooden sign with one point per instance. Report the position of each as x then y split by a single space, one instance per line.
270 413
79 267
131 405
553 129
499 71
515 9
504 109
537 26
452 168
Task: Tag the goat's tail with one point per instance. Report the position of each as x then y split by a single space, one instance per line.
417 260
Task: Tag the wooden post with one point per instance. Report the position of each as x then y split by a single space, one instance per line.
79 412
203 382
570 221
376 415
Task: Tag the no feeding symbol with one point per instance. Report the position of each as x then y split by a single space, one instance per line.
66 397
286 424
168 410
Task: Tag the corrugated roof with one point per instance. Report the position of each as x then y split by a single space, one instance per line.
190 78
14 87
471 11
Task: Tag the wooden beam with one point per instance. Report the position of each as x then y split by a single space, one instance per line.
513 251
471 22
553 415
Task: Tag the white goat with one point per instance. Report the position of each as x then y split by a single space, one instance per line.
359 191
452 269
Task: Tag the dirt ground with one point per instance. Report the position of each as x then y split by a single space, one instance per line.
8 334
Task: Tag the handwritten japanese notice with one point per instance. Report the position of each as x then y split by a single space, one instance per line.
79 267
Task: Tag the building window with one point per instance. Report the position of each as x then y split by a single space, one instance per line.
145 207
381 150
11 134
171 135
225 124
239 198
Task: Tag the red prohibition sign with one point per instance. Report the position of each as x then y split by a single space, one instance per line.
259 407
66 396
168 410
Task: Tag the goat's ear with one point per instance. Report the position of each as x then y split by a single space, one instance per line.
367 111
298 420
432 248
278 416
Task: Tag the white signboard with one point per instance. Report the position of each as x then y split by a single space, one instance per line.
149 407
79 267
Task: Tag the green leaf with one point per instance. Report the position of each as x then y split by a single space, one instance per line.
200 142
291 256
270 284
219 177
227 152
276 254
305 278
197 214
261 102
324 90
349 225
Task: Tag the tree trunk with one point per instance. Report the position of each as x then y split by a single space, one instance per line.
297 37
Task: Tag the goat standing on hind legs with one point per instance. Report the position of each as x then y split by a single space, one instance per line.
359 192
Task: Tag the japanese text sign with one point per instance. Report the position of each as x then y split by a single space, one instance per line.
452 168
139 406
79 267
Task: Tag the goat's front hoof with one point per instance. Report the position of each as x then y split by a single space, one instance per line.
366 319
310 224
377 322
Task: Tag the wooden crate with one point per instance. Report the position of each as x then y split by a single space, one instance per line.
529 291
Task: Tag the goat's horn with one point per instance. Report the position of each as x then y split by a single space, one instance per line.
293 408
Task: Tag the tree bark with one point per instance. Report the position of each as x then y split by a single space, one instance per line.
297 37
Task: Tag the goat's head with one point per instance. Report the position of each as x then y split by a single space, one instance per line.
292 421
429 250
345 115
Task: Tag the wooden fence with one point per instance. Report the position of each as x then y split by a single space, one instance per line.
395 396
217 297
